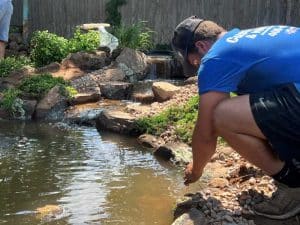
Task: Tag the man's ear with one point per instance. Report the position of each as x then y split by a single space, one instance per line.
203 46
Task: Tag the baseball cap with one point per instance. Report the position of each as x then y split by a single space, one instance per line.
182 41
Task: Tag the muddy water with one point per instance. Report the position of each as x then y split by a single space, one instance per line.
90 177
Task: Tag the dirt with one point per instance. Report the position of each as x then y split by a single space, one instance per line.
239 184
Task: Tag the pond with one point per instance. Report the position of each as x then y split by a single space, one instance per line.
94 178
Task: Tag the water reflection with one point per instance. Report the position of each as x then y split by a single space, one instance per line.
95 178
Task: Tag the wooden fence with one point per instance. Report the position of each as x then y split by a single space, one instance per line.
61 16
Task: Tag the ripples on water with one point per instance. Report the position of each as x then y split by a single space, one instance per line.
96 178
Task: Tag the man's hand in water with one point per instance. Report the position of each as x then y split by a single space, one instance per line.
191 176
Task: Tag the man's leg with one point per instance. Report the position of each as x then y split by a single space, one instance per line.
235 123
2 49
6 11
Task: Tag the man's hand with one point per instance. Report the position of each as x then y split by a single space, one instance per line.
191 176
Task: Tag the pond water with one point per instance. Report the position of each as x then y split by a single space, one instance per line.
94 178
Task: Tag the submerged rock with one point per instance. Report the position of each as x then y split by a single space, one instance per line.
178 153
150 141
117 121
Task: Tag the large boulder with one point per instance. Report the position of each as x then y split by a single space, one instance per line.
29 108
51 68
190 203
83 98
87 61
52 106
85 114
163 91
117 121
134 64
116 90
178 153
110 73
87 88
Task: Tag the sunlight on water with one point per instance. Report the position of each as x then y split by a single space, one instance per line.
74 175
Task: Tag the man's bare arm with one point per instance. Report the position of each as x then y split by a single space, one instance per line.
204 137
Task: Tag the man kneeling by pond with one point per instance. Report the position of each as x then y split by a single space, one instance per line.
262 123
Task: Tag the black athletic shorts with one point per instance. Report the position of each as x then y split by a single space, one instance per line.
277 114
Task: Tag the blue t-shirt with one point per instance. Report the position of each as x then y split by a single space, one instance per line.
248 61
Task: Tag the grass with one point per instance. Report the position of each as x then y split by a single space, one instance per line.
183 118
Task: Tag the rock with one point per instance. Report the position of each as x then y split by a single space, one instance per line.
52 106
87 61
86 86
150 141
144 98
228 218
82 98
15 77
48 213
178 153
29 108
164 91
117 121
188 202
219 183
193 217
51 68
191 80
134 64
111 73
85 114
116 90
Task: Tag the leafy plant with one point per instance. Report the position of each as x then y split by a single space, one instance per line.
137 36
10 64
12 103
47 48
37 86
84 41
68 91
183 118
112 12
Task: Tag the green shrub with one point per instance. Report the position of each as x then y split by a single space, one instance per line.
10 64
12 103
183 118
47 48
137 36
37 86
84 41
